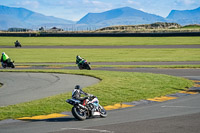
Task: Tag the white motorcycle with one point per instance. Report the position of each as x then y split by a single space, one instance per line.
88 108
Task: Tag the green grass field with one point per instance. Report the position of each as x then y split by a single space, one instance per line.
45 41
115 87
102 55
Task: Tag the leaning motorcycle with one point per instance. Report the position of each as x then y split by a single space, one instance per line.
8 64
88 108
84 65
17 44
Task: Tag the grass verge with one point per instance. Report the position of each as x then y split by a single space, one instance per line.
115 87
102 55
56 41
116 66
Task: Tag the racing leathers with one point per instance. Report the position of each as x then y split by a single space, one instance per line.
79 60
5 58
76 94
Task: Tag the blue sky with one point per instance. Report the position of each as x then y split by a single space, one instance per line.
76 9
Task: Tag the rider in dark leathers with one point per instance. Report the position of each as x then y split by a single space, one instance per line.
76 93
17 43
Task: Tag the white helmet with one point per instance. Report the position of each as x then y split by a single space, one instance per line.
3 53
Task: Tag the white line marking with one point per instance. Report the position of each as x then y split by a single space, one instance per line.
83 129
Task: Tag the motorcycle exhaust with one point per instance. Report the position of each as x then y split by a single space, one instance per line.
82 107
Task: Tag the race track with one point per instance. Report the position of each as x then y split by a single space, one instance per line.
181 115
179 112
24 87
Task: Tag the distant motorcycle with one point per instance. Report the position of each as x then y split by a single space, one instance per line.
84 65
8 64
18 44
88 108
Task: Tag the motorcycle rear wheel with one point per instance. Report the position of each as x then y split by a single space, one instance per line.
78 114
4 66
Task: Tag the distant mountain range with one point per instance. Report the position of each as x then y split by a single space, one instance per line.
23 18
120 16
185 17
130 16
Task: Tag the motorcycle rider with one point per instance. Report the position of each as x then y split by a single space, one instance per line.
5 58
17 43
79 60
76 94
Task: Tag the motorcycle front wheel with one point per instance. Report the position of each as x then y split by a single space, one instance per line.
87 66
78 113
12 65
103 112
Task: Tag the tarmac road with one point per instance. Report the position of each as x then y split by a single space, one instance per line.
180 116
176 116
24 87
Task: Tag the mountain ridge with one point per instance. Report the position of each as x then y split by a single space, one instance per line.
21 17
185 17
120 15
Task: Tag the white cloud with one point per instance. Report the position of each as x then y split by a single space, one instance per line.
130 2
189 2
95 6
97 2
186 2
28 3
86 1
93 3
133 2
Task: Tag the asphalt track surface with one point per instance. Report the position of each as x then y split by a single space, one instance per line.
181 115
24 87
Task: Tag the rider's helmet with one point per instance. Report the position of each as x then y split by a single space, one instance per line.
77 87
3 53
78 57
